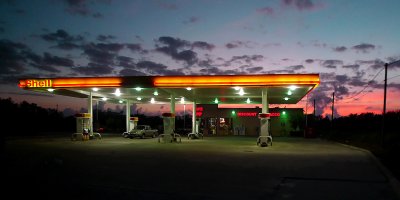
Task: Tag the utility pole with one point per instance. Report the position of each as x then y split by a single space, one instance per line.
184 117
97 115
384 102
384 106
333 107
314 108
307 113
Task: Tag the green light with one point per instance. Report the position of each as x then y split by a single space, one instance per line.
248 100
216 100
289 92
283 113
233 112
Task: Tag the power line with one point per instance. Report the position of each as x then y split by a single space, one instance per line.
358 98
393 77
355 99
358 93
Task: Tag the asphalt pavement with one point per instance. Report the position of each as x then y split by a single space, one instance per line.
209 168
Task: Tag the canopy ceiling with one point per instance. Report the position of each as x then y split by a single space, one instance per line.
226 89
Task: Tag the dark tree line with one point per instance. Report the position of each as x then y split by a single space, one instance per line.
29 119
361 129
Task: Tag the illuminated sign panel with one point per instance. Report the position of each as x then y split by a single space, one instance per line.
37 83
254 114
275 114
247 114
199 111
134 119
239 80
83 115
72 82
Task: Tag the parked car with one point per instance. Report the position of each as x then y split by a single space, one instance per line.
141 131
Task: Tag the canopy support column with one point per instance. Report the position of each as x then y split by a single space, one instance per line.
265 138
169 134
90 111
194 131
128 115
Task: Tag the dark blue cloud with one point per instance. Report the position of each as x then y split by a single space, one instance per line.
176 48
300 4
340 49
203 45
364 47
105 38
332 64
252 70
353 67
309 61
63 39
12 58
82 7
131 72
296 67
94 69
156 68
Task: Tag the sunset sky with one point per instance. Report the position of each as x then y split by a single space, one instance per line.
346 42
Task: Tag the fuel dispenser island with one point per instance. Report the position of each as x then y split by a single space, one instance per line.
83 128
197 134
133 121
169 127
265 139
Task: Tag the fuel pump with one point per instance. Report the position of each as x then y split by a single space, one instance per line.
133 121
82 127
169 127
265 138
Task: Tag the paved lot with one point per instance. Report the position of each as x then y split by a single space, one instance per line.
212 168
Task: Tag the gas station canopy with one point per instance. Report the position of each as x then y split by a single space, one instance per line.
213 89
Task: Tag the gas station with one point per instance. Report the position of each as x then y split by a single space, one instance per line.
263 89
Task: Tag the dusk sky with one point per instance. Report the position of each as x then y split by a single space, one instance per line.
345 42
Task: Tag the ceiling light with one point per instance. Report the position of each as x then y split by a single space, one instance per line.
182 100
120 101
155 93
139 98
138 88
152 100
241 92
104 98
189 88
50 89
292 87
117 92
286 98
236 88
289 92
95 89
216 100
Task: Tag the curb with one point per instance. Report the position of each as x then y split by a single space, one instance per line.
394 183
